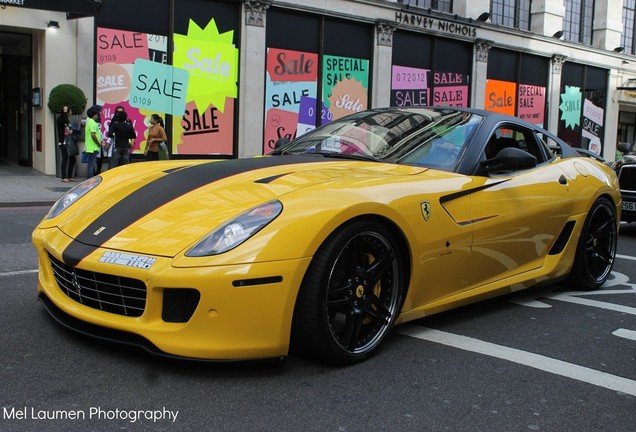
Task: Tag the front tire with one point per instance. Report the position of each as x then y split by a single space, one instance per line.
351 294
596 249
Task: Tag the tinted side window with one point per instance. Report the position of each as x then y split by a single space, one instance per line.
518 137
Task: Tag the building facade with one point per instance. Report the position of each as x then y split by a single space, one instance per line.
230 77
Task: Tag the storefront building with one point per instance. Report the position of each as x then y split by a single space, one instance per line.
230 77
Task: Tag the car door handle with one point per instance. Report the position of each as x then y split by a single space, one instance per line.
563 180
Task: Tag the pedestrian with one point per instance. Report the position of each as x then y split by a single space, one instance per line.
156 136
121 132
103 157
93 139
64 133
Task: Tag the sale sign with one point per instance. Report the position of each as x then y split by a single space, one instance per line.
120 46
287 65
279 123
531 103
291 83
409 86
205 132
211 59
112 82
117 51
345 85
501 96
450 89
593 125
159 87
135 117
571 106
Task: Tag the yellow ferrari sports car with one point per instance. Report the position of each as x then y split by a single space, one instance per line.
382 217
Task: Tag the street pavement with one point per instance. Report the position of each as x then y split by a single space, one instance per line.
25 186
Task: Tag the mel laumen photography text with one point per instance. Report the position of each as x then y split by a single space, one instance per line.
92 413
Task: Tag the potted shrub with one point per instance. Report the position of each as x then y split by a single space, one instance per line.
75 99
67 94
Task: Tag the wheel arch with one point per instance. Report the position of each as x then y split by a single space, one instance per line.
404 258
407 259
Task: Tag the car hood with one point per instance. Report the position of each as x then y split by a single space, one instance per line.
162 208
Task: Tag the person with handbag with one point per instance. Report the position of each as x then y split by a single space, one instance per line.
156 136
64 133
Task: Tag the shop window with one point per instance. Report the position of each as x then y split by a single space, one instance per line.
511 13
517 85
430 71
582 109
626 129
577 22
629 35
312 77
194 88
438 5
206 41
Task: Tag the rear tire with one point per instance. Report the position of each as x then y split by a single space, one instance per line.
350 296
596 249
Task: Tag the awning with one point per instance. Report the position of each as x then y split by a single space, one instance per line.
73 8
626 94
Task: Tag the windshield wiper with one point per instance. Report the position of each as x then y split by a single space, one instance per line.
354 156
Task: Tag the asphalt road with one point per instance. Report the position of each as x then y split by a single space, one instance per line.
541 360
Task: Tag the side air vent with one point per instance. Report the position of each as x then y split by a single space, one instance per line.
563 239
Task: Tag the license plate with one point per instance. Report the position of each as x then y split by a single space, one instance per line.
629 206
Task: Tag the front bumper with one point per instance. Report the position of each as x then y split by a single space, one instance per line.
244 311
628 206
627 181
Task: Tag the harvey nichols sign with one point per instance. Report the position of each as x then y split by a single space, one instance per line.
428 23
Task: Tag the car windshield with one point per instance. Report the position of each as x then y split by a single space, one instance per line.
423 137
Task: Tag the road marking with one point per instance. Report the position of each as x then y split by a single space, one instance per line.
547 364
17 273
627 257
594 303
624 333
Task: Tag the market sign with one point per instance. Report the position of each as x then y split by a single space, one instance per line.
83 7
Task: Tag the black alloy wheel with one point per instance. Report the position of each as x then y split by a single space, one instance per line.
596 250
351 295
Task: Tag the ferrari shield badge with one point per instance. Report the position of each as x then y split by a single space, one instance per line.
426 210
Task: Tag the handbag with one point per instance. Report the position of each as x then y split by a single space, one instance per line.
84 157
163 151
71 146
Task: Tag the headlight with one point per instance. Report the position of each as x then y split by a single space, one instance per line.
73 195
233 233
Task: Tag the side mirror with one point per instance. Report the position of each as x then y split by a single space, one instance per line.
624 147
281 142
507 160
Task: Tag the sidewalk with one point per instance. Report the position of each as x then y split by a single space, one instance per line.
25 186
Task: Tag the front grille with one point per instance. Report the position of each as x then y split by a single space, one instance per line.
108 293
627 177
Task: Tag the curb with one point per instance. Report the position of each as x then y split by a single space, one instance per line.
27 204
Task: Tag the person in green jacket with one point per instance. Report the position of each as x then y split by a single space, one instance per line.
93 139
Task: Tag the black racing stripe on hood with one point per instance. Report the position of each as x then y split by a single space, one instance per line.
160 192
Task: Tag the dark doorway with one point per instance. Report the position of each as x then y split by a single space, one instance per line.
15 99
